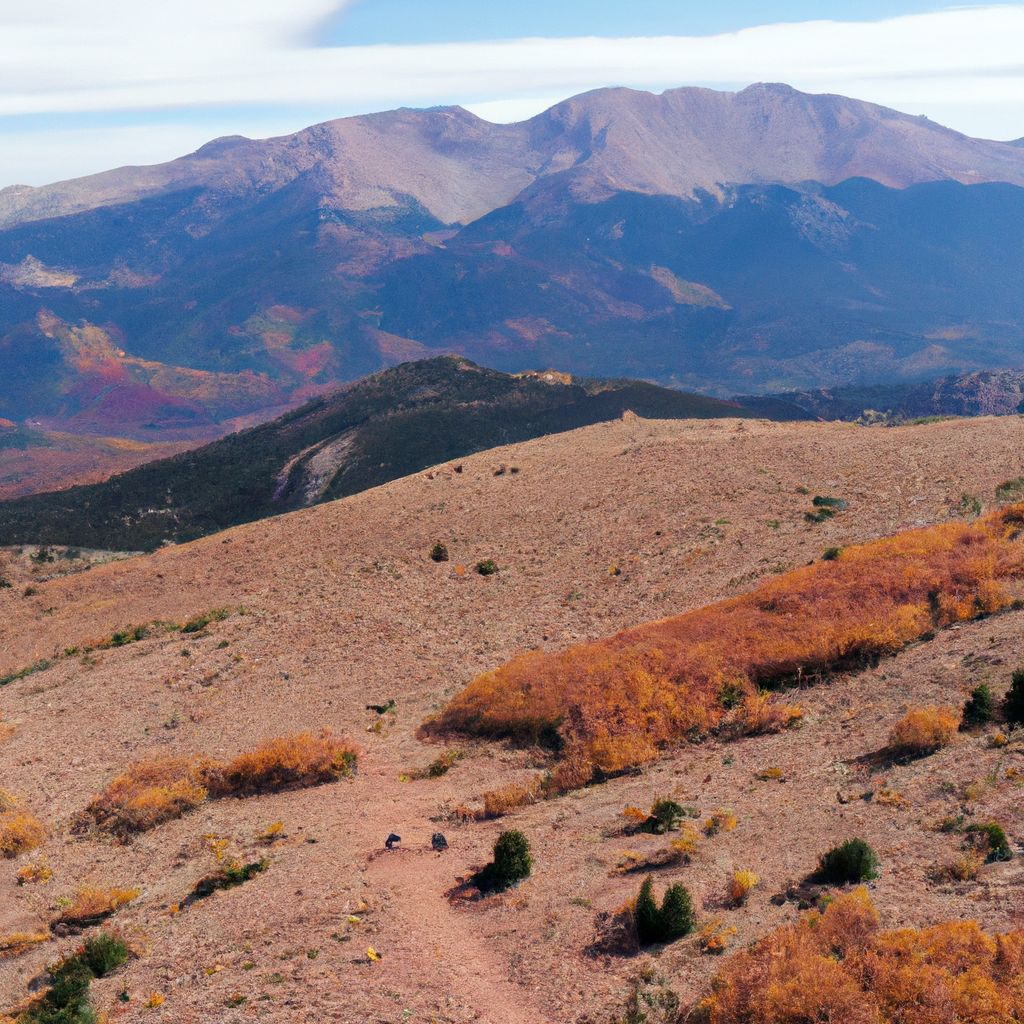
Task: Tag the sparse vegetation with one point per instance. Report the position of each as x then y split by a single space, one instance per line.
199 622
720 820
979 708
838 965
511 864
615 703
923 731
969 506
230 874
441 765
990 841
152 792
1011 490
849 863
486 567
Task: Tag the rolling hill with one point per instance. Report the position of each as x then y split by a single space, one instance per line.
300 621
759 241
386 426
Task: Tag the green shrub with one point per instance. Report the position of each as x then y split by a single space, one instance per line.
1010 490
487 567
231 875
665 816
104 953
67 1000
831 554
824 502
1013 705
991 838
439 553
199 622
980 708
850 862
674 919
512 863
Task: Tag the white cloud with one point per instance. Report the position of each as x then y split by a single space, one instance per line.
961 66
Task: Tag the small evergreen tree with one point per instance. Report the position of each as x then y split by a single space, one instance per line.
674 919
648 917
850 862
665 816
979 708
677 916
1013 706
512 862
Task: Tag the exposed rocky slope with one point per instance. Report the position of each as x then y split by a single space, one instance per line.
986 393
344 608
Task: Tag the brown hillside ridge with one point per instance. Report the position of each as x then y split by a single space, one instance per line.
194 658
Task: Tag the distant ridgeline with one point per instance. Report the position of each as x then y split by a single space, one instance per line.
386 426
983 393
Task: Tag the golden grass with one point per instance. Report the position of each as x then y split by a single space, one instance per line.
19 833
20 942
924 730
616 703
740 885
92 905
838 965
161 789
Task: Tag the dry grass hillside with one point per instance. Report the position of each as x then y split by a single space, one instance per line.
294 625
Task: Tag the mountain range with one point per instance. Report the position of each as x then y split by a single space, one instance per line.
759 241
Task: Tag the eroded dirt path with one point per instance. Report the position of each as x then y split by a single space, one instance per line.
436 942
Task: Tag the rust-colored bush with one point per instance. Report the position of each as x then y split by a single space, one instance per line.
923 731
146 795
91 905
616 703
740 884
289 762
152 792
20 942
19 833
839 965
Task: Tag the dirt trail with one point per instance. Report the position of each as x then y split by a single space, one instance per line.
437 943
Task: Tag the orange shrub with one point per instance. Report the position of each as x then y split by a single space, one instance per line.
20 942
91 905
924 730
152 792
839 965
19 833
146 795
616 703
740 884
290 762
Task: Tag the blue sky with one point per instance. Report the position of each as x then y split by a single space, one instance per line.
87 86
419 21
